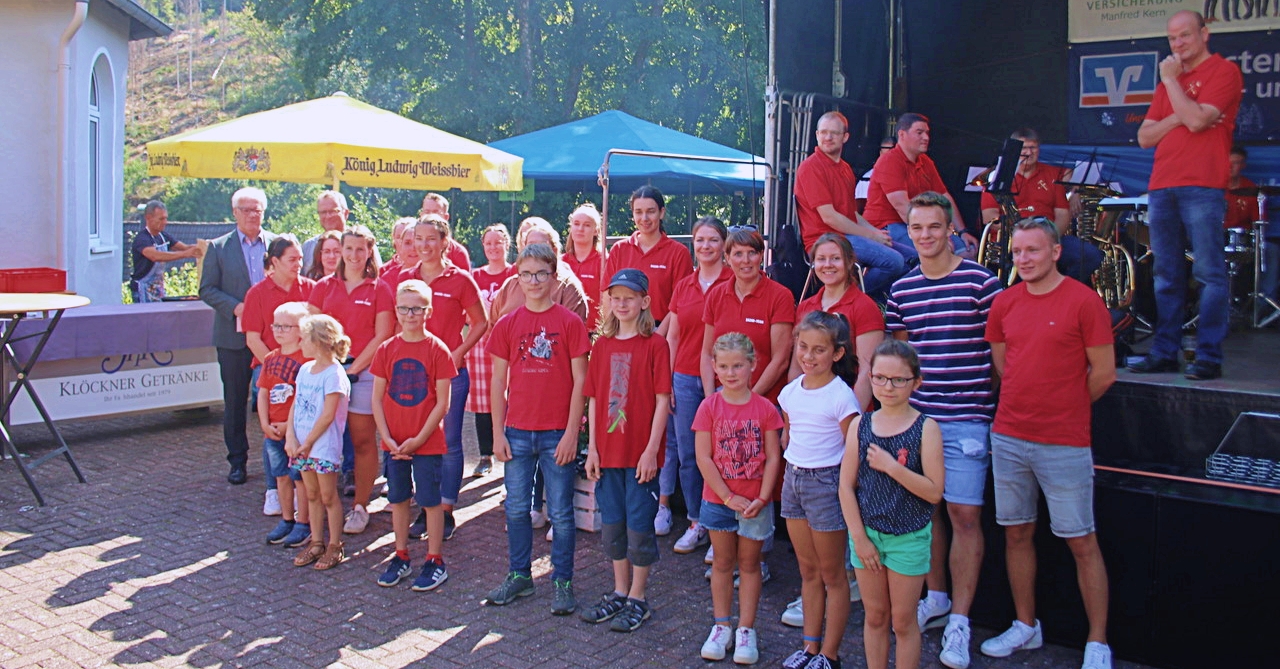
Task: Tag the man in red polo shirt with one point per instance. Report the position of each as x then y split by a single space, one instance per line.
824 203
1242 210
1190 123
1037 192
904 173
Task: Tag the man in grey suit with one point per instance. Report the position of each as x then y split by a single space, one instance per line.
232 264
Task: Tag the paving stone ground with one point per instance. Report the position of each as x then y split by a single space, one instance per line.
157 561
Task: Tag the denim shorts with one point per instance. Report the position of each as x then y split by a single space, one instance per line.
362 395
720 518
623 499
419 477
317 465
966 454
813 495
906 554
278 460
1065 474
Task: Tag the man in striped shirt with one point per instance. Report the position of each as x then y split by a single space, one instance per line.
941 307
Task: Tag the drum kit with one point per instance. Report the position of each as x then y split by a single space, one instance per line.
1123 220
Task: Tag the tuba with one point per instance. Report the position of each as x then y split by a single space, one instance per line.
1115 279
993 248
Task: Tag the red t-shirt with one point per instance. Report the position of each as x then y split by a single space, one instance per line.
1044 393
1036 195
457 254
822 181
1242 210
625 376
411 370
391 270
857 307
539 348
667 262
1185 158
488 284
356 311
260 305
893 173
588 272
767 305
278 376
452 293
737 442
687 303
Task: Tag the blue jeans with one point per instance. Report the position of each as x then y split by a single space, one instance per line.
682 462
349 452
1178 215
451 475
1079 259
883 264
898 231
267 465
527 449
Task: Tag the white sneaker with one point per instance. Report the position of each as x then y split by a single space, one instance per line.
662 521
538 518
717 642
1018 637
357 520
955 646
1097 655
271 504
710 557
765 576
551 531
930 614
855 592
794 615
692 539
745 650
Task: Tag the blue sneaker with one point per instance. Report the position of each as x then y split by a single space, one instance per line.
433 574
397 570
282 530
299 536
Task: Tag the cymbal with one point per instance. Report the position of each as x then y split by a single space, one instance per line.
1254 191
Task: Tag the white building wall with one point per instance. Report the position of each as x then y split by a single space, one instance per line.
29 34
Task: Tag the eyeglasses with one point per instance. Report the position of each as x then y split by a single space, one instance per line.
534 277
281 327
250 210
411 311
895 381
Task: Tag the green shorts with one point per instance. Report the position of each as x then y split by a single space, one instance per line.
907 554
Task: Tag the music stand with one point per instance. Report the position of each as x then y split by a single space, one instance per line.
1000 181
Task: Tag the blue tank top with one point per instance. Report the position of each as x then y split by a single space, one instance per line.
887 506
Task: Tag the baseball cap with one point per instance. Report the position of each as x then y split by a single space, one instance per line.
630 278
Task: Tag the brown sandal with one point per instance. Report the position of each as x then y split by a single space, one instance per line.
332 557
309 554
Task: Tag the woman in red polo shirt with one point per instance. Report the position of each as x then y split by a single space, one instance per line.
756 306
455 302
496 242
662 259
583 256
364 305
833 262
684 337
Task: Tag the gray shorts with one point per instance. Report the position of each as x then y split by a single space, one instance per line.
813 495
1065 474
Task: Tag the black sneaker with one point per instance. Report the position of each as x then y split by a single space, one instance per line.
450 527
798 660
823 662
433 574
1153 365
418 529
1203 370
610 605
513 586
633 614
563 602
483 467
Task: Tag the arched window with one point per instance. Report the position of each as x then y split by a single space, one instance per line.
95 155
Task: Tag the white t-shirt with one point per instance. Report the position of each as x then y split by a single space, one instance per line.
309 403
860 191
813 417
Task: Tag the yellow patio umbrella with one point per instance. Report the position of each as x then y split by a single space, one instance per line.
332 140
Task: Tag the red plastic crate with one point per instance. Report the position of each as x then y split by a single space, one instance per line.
33 280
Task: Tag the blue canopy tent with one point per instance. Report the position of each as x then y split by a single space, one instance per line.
567 157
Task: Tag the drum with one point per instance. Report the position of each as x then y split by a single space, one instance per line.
1239 241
